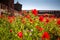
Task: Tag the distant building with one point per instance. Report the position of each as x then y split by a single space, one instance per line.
18 6
8 6
55 12
9 3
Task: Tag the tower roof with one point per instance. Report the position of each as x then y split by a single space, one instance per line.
18 3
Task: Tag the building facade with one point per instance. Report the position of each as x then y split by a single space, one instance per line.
18 6
9 3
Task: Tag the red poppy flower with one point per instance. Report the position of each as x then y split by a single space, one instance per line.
58 22
39 28
47 20
20 34
34 12
28 16
23 21
10 20
10 30
11 17
52 16
41 18
31 21
45 35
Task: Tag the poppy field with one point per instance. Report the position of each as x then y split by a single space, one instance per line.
30 26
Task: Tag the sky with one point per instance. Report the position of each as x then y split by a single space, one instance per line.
39 4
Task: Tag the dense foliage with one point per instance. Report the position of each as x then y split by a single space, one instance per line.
29 27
